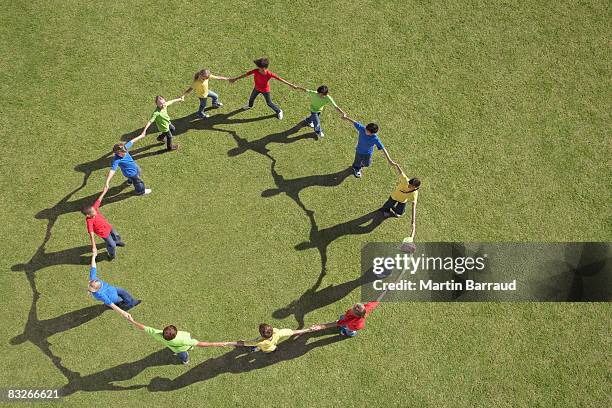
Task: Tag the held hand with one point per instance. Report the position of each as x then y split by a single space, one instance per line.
94 251
128 317
182 98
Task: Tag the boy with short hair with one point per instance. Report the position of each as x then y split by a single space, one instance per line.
365 145
202 91
98 225
270 337
261 78
162 120
180 342
318 100
117 299
405 191
128 166
352 320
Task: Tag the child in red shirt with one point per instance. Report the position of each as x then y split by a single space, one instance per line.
352 320
98 225
261 77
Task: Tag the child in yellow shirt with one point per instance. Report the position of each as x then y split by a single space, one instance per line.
407 190
200 87
270 337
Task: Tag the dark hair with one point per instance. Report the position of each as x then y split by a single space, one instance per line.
266 330
323 89
262 62
201 72
87 209
372 128
119 147
415 182
169 332
157 98
359 310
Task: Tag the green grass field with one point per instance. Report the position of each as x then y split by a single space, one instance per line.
501 108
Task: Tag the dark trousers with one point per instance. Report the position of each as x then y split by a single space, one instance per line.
139 185
266 97
111 241
168 135
127 301
398 208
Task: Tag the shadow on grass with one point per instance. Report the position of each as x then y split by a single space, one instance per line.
240 360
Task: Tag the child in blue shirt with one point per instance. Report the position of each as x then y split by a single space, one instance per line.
128 166
365 145
117 299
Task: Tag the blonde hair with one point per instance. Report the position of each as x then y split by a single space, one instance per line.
205 72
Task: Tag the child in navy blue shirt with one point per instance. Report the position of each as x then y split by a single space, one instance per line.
365 145
117 299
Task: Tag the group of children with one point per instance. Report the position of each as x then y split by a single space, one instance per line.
181 342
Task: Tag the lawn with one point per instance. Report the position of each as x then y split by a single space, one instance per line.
502 109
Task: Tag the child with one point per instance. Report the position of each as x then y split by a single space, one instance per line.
261 77
318 100
406 190
117 299
162 120
179 342
365 145
352 320
98 225
270 337
200 86
128 166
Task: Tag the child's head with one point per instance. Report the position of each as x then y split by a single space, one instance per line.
119 149
359 309
415 183
202 74
371 129
322 90
169 332
88 211
262 62
265 330
160 101
94 286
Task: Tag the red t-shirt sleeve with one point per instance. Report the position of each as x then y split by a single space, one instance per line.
273 75
89 225
370 306
97 205
251 72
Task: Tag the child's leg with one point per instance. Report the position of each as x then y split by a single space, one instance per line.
126 298
183 356
271 104
116 237
357 163
399 209
110 245
202 106
214 98
388 205
309 119
139 185
316 119
169 136
252 97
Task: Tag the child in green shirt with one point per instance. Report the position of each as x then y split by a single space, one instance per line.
318 99
162 120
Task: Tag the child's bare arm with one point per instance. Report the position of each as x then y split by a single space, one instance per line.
287 83
389 160
219 77
139 326
173 101
217 344
246 74
345 117
187 91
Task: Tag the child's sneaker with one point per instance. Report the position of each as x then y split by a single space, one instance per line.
120 244
320 135
202 115
357 173
217 105
246 107
280 115
172 148
309 124
147 191
161 138
185 362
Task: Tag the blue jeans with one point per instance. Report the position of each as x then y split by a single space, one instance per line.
183 356
111 241
345 330
126 299
139 185
362 160
211 95
397 207
266 97
315 118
